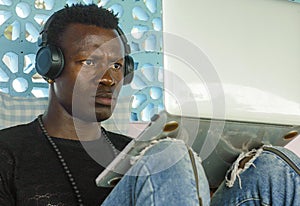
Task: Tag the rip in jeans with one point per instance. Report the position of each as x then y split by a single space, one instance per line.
134 159
240 166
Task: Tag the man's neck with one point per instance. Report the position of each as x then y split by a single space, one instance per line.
72 128
59 123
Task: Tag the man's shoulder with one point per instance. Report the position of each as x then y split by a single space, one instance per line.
119 140
119 136
17 133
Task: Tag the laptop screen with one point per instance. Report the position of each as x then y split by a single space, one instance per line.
233 60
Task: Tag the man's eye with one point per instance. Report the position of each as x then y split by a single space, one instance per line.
88 62
116 66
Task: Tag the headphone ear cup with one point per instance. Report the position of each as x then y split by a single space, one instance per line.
49 62
128 70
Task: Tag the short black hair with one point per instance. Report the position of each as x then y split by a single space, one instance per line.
79 13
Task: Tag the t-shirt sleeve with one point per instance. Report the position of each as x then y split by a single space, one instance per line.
7 165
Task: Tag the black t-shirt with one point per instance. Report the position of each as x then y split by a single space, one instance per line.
31 174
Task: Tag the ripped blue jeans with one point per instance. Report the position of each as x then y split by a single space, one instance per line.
270 177
165 175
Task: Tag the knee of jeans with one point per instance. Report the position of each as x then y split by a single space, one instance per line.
160 155
244 161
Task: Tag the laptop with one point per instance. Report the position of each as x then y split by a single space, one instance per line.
233 66
231 80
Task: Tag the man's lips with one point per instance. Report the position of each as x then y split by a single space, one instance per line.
104 99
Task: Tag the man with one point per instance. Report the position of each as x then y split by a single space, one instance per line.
55 159
85 59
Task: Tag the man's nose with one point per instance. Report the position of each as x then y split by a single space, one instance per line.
107 79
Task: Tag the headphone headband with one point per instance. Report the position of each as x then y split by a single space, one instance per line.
43 38
124 40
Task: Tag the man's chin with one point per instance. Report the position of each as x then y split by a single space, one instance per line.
95 117
96 114
101 117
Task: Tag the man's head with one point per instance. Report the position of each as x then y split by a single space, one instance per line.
93 54
50 59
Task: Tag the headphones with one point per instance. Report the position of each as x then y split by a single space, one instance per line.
49 61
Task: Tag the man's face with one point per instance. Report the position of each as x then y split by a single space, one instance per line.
93 72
